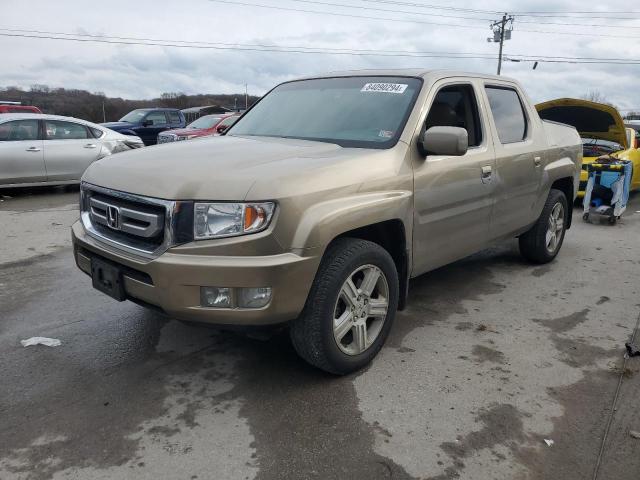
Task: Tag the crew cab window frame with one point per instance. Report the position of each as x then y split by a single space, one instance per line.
427 102
478 119
527 119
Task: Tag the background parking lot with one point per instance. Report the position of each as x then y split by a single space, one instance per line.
492 357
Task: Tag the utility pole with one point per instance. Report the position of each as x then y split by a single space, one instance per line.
501 32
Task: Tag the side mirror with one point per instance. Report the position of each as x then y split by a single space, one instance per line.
147 123
222 128
452 141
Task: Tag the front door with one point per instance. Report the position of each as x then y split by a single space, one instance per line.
21 152
155 122
69 148
453 195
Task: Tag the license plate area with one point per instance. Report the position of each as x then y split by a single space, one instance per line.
107 278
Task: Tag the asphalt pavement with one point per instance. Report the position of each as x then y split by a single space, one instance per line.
492 357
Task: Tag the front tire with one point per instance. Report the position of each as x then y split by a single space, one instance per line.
350 308
542 242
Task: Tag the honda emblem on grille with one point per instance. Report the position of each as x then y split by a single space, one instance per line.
113 217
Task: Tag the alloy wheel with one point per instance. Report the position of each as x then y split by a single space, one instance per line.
361 309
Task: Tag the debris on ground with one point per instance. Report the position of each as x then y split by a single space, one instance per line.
486 328
632 350
549 442
618 370
48 342
634 434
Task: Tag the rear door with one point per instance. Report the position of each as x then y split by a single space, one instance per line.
69 148
453 196
175 119
519 159
21 152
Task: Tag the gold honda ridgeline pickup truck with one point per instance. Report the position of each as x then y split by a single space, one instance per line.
324 199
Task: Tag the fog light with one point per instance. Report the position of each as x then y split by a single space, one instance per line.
254 297
216 297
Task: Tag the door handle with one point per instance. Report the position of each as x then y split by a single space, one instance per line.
487 171
33 149
537 161
90 145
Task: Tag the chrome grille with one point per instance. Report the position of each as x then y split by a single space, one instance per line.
167 137
137 224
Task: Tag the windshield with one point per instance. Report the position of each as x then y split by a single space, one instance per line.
134 116
594 147
207 121
364 112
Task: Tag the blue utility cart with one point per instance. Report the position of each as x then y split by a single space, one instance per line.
607 191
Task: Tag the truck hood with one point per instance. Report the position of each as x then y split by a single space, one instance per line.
117 125
591 119
227 167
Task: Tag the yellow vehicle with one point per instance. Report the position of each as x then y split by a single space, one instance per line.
602 131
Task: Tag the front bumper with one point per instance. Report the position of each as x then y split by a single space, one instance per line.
172 281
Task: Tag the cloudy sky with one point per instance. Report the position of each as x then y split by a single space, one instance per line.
398 28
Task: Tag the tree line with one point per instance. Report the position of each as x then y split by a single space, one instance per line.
97 107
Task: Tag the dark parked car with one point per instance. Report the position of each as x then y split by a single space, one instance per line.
147 123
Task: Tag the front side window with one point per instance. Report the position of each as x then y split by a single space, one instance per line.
207 121
134 116
18 130
456 106
59 130
360 112
156 118
508 114
227 122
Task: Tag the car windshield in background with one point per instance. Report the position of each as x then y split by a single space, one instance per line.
364 112
134 116
594 147
207 121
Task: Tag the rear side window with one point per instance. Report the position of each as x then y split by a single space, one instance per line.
19 130
508 114
96 132
456 106
59 130
174 117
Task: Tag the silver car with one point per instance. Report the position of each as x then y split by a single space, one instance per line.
38 149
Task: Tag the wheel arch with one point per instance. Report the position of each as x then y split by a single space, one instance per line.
392 236
565 185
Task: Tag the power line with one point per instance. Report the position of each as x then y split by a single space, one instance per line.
456 25
359 7
337 14
548 14
430 14
87 38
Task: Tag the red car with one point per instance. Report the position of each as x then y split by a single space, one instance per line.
11 108
208 125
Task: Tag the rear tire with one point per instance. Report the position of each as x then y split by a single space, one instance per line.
543 241
350 308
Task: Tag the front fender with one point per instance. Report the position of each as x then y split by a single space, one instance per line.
324 221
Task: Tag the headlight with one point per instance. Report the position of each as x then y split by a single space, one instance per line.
217 220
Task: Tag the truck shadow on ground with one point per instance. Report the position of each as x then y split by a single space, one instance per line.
140 377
